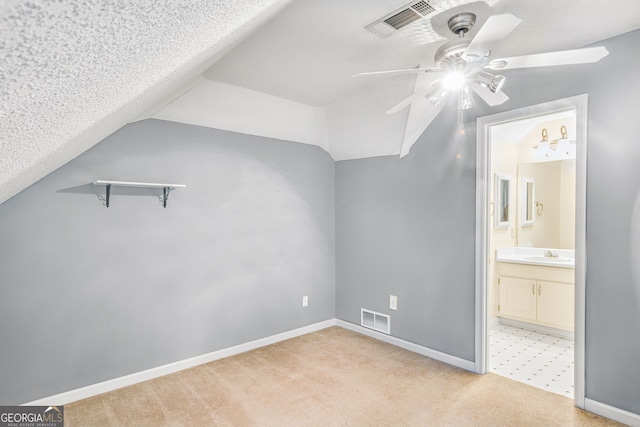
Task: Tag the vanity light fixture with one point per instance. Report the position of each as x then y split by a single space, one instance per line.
561 148
543 148
564 146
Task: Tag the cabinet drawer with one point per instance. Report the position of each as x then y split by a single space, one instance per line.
554 274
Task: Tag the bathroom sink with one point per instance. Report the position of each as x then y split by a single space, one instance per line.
547 259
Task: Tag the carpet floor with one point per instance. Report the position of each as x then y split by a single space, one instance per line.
333 377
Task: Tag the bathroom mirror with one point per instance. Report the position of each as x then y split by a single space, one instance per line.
528 201
502 201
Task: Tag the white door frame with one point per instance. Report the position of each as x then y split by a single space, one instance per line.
483 156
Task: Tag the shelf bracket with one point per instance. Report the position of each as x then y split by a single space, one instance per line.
165 196
108 193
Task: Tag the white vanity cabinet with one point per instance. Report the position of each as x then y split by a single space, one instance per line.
536 294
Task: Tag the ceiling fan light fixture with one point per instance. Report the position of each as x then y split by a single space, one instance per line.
492 82
454 80
436 97
465 98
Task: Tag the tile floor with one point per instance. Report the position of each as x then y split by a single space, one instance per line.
541 360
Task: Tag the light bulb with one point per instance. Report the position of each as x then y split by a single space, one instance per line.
453 81
465 100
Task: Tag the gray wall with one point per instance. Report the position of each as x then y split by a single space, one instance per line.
90 293
406 226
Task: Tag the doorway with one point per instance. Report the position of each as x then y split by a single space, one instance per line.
490 186
532 162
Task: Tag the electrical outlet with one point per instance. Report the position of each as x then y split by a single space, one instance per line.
305 301
393 302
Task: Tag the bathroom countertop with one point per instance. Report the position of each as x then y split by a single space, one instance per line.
536 256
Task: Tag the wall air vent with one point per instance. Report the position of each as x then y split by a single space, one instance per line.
400 18
376 321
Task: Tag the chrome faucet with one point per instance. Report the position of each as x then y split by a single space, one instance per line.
550 254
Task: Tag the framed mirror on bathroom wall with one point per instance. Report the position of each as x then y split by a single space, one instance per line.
527 194
502 201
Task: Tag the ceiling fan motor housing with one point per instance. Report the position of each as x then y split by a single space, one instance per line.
450 53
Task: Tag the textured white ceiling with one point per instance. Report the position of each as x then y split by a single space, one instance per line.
74 71
71 72
309 51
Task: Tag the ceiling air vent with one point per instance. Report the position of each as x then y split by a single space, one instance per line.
423 8
403 18
400 18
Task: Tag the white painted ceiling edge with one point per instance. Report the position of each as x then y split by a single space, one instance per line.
227 107
344 128
75 72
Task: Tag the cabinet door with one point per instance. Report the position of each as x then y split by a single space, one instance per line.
517 298
556 304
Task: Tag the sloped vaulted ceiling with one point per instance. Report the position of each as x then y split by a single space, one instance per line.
72 72
307 53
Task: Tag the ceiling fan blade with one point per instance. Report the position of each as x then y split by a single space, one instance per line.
407 71
489 97
566 57
494 29
413 98
427 112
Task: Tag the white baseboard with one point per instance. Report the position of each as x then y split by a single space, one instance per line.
110 385
612 412
540 328
138 377
416 348
492 323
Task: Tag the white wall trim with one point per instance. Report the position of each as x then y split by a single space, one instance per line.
223 106
612 412
138 377
596 407
416 348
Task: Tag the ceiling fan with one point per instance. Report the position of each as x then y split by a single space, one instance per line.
463 66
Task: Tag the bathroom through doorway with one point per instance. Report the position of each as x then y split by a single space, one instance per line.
531 207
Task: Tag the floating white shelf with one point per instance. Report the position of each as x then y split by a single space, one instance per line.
166 188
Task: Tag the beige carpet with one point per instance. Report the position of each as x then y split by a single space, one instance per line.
333 377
